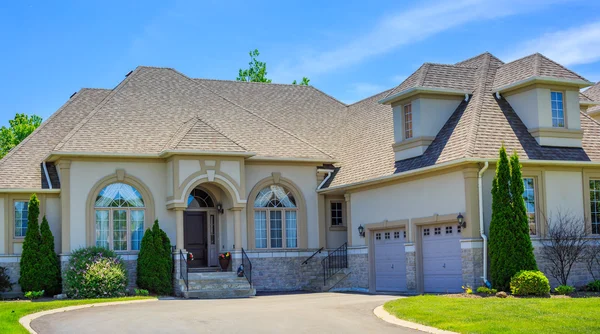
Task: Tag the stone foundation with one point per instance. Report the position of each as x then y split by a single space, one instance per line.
411 268
472 264
11 263
358 271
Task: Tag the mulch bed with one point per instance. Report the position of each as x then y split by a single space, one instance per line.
578 294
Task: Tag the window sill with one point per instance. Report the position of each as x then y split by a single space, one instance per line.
18 239
338 228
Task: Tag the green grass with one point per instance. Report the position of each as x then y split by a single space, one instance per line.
496 315
12 311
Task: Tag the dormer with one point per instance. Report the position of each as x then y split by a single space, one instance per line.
424 102
589 101
545 96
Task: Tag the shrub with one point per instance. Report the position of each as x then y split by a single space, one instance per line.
5 283
529 282
155 263
34 294
510 245
486 290
95 272
594 286
31 270
564 289
49 263
141 292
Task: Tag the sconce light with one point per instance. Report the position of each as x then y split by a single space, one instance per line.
220 208
461 220
361 231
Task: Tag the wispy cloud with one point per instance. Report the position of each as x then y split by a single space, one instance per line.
576 45
400 29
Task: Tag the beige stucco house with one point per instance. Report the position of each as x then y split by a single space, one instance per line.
283 171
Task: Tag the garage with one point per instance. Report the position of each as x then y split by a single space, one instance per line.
442 268
390 261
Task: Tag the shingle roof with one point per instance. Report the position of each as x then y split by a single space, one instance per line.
21 168
593 92
535 65
439 76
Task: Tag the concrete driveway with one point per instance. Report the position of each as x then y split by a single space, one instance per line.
290 313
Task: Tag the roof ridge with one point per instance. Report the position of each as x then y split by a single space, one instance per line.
536 64
479 55
329 96
369 97
180 133
449 65
512 61
473 134
96 109
590 117
423 74
39 128
254 114
221 133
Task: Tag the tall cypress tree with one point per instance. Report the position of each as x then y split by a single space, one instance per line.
521 241
500 248
30 266
155 264
50 265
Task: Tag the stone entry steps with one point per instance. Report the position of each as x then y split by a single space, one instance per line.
316 284
216 285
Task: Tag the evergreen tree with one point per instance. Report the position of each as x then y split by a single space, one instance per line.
501 252
522 247
31 269
146 270
155 265
50 266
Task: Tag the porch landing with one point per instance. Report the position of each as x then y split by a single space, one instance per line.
216 285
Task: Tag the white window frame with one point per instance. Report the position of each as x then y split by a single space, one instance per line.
535 205
552 109
111 226
408 126
15 219
283 211
592 204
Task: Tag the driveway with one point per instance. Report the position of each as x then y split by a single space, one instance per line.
290 313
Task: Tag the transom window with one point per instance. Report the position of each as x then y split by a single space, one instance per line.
275 218
21 212
336 214
595 205
558 114
199 198
529 198
408 133
120 214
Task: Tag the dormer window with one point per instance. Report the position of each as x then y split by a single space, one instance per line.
408 133
558 114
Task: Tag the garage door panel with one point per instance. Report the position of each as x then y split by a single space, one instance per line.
442 265
390 267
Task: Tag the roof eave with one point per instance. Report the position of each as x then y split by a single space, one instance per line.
169 153
588 103
416 90
53 156
293 159
29 190
542 79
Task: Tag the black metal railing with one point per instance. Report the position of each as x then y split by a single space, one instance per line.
183 269
334 262
247 265
315 253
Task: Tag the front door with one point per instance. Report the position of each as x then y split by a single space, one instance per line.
195 237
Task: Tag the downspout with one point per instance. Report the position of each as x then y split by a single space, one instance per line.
329 172
47 175
481 228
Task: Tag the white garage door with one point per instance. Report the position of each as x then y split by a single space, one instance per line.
390 266
442 270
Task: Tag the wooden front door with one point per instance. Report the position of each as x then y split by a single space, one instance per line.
195 237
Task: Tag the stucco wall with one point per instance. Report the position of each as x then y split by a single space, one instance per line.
304 177
54 220
441 194
564 192
433 114
85 174
525 104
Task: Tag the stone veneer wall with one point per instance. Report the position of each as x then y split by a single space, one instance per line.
579 276
411 269
358 272
11 263
472 265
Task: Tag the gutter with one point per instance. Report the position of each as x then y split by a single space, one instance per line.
29 191
47 175
530 80
329 173
481 227
420 89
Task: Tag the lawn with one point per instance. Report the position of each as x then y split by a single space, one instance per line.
496 315
12 311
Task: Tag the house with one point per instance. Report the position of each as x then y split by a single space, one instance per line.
590 101
316 194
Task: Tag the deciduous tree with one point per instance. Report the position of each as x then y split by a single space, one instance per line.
20 127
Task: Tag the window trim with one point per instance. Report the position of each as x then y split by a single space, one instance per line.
283 211
587 177
118 177
564 110
540 199
128 211
404 122
14 219
301 225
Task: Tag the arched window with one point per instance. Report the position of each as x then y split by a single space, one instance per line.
120 213
200 199
275 218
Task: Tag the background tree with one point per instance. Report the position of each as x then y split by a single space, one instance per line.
50 266
304 82
256 71
20 127
154 266
31 269
521 241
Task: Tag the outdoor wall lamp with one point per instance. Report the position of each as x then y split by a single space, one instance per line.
361 231
220 208
461 220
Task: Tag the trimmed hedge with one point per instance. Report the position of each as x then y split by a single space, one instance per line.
155 262
529 283
95 272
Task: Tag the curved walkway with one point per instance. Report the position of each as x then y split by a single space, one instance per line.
290 313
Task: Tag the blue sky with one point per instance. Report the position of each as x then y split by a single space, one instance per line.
349 49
